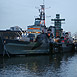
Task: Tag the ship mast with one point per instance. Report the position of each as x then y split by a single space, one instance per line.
57 24
42 14
43 2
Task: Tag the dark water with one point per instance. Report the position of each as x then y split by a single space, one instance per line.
58 65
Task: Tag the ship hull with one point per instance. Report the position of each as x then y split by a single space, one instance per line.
62 48
67 48
1 46
29 48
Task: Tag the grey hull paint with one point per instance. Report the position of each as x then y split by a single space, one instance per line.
63 48
32 48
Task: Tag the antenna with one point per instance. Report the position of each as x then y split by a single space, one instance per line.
43 2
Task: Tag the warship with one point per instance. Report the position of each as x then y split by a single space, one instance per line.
36 42
39 39
63 40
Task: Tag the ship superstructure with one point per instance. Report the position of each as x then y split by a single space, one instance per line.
57 25
42 15
39 24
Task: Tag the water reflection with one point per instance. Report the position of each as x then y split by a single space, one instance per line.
58 65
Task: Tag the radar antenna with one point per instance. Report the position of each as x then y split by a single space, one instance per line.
43 2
